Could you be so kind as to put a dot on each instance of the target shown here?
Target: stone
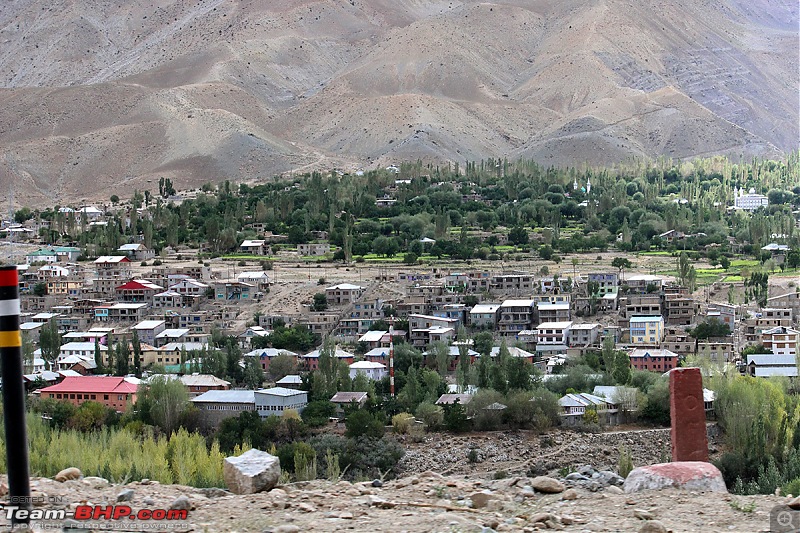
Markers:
(286, 528)
(96, 482)
(688, 475)
(482, 498)
(795, 504)
(377, 483)
(586, 470)
(547, 485)
(613, 489)
(527, 491)
(643, 514)
(607, 477)
(653, 526)
(576, 476)
(68, 474)
(688, 416)
(306, 507)
(149, 501)
(346, 515)
(253, 471)
(570, 494)
(125, 496)
(181, 503)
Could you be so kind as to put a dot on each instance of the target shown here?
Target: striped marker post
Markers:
(19, 487)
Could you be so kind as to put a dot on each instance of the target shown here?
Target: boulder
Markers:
(547, 485)
(181, 503)
(482, 499)
(125, 496)
(68, 474)
(795, 504)
(689, 475)
(253, 471)
(653, 526)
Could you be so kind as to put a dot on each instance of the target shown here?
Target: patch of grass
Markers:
(657, 252)
(732, 279)
(748, 507)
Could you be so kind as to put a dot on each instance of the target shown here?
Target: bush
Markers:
(430, 414)
(625, 464)
(401, 422)
(362, 423)
(318, 413)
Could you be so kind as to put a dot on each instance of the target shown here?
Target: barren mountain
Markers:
(106, 96)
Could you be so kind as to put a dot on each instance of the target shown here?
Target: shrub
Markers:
(363, 423)
(625, 464)
(305, 462)
(401, 422)
(430, 414)
(472, 455)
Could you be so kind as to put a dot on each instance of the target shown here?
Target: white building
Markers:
(274, 401)
(553, 333)
(750, 201)
(374, 371)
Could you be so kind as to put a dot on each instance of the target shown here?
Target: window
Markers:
(71, 396)
(105, 396)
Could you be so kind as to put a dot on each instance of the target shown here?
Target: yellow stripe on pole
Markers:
(10, 339)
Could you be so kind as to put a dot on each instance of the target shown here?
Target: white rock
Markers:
(253, 471)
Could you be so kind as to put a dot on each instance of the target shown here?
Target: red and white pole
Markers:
(391, 357)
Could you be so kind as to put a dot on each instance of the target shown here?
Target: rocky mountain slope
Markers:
(101, 95)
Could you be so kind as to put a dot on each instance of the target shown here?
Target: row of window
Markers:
(75, 396)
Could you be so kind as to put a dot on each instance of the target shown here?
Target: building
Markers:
(198, 384)
(113, 392)
(41, 256)
(608, 283)
(750, 201)
(769, 365)
(311, 359)
(575, 406)
(137, 251)
(274, 401)
(375, 339)
(67, 254)
(484, 316)
(255, 247)
(343, 294)
(313, 249)
(348, 399)
(644, 283)
(373, 371)
(425, 329)
(680, 309)
(648, 330)
(147, 330)
(584, 334)
(258, 278)
(111, 271)
(137, 291)
(781, 340)
(217, 405)
(515, 316)
(553, 334)
(512, 283)
(266, 355)
(292, 381)
(552, 312)
(189, 287)
(233, 290)
(656, 360)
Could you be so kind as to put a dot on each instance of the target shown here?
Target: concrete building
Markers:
(484, 316)
(607, 282)
(217, 405)
(515, 316)
(646, 330)
(113, 392)
(343, 294)
(148, 329)
(373, 371)
(553, 333)
(652, 359)
(274, 401)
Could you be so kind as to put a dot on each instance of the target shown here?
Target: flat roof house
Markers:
(274, 401)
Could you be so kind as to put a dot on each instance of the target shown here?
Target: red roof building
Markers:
(137, 291)
(113, 392)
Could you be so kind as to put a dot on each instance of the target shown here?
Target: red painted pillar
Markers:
(688, 416)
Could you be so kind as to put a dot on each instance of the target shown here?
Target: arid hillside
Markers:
(105, 96)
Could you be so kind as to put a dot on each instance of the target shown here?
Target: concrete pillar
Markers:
(687, 412)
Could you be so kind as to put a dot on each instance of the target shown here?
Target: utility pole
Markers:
(391, 356)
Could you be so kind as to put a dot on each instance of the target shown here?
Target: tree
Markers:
(50, 343)
(686, 272)
(326, 377)
(282, 365)
(137, 354)
(253, 374)
(621, 263)
(320, 302)
(455, 417)
(40, 289)
(793, 258)
(483, 343)
(122, 362)
(518, 235)
(165, 399)
(710, 328)
(440, 353)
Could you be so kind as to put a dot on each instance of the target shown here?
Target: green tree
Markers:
(282, 365)
(621, 263)
(320, 302)
(362, 423)
(50, 343)
(137, 354)
(40, 289)
(253, 373)
(519, 372)
(164, 399)
(455, 417)
(483, 343)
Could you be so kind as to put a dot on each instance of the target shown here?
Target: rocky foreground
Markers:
(585, 500)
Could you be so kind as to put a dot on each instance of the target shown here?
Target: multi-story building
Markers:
(484, 316)
(111, 271)
(343, 294)
(425, 329)
(137, 291)
(680, 309)
(781, 340)
(646, 330)
(584, 334)
(147, 330)
(607, 282)
(553, 334)
(515, 316)
(749, 201)
(513, 283)
(552, 312)
(656, 360)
